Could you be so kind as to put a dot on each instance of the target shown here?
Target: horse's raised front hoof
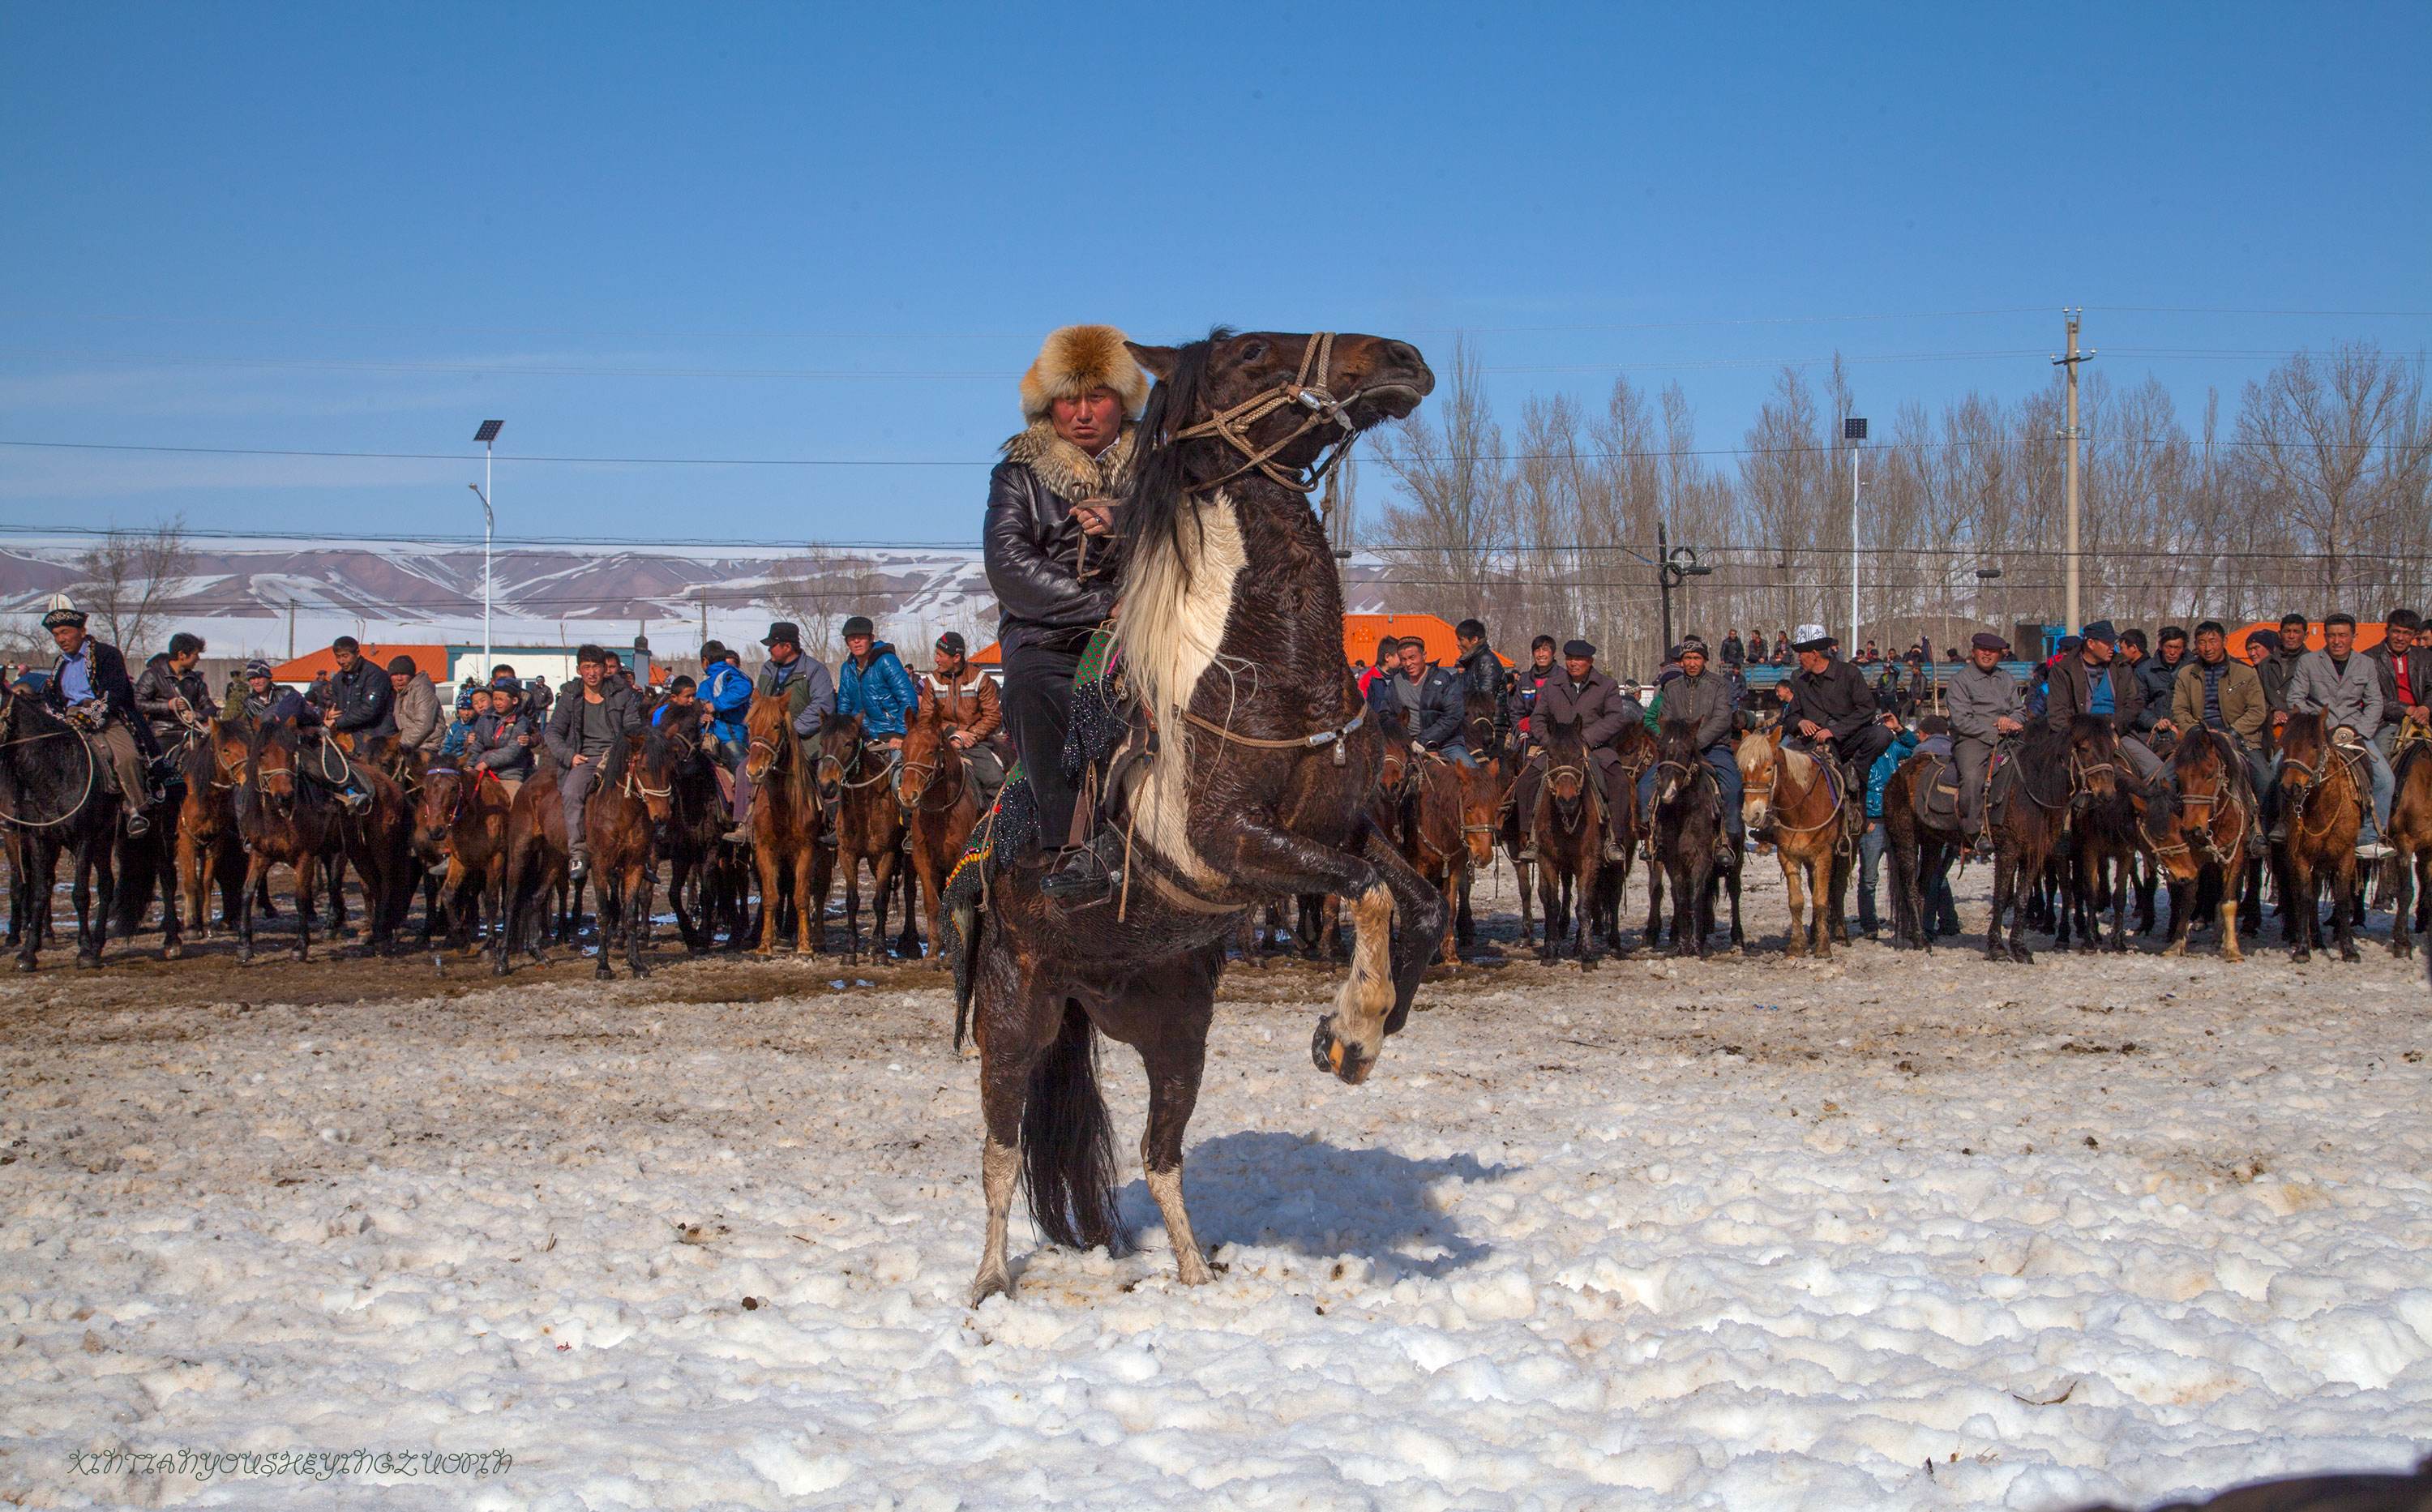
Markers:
(1342, 1057)
(991, 1282)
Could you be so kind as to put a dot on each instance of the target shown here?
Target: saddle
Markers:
(1934, 798)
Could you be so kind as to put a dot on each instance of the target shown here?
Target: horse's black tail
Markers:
(1068, 1144)
(959, 938)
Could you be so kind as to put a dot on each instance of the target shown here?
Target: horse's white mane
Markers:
(1173, 612)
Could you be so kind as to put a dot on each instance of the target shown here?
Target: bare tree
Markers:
(821, 589)
(2340, 444)
(130, 576)
(1452, 475)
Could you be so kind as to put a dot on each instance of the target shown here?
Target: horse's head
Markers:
(1757, 754)
(1478, 727)
(444, 788)
(2304, 753)
(1393, 771)
(769, 725)
(926, 752)
(1481, 799)
(839, 755)
(653, 760)
(271, 766)
(2171, 831)
(1567, 766)
(2093, 758)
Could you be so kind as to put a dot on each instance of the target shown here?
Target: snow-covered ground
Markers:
(1742, 1233)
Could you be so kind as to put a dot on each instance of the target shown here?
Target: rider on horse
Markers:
(1829, 703)
(1424, 702)
(1051, 563)
(89, 686)
(419, 726)
(810, 698)
(1983, 702)
(966, 701)
(1585, 701)
(871, 683)
(587, 736)
(170, 694)
(1702, 698)
(504, 737)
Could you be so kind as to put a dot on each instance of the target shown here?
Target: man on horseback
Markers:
(2345, 689)
(1831, 706)
(1983, 700)
(504, 737)
(170, 694)
(966, 703)
(2094, 682)
(2404, 665)
(1701, 698)
(1522, 700)
(1424, 702)
(1482, 672)
(587, 736)
(1050, 508)
(362, 704)
(810, 698)
(2216, 691)
(1583, 701)
(874, 685)
(90, 688)
(419, 728)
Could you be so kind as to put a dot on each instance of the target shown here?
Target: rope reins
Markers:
(1307, 388)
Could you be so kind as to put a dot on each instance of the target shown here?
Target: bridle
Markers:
(1307, 388)
(930, 785)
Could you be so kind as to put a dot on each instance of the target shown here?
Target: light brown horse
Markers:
(1481, 799)
(853, 788)
(620, 825)
(1568, 830)
(2198, 840)
(2410, 836)
(460, 828)
(2322, 800)
(940, 805)
(209, 850)
(537, 862)
(785, 823)
(1809, 811)
(1433, 813)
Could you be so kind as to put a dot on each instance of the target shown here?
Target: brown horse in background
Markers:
(620, 823)
(940, 805)
(1685, 828)
(2322, 799)
(707, 882)
(2410, 837)
(1481, 798)
(1433, 814)
(785, 823)
(1568, 836)
(853, 788)
(537, 861)
(1809, 811)
(290, 820)
(2049, 773)
(460, 829)
(209, 850)
(2198, 840)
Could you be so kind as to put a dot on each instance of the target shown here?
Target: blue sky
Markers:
(838, 233)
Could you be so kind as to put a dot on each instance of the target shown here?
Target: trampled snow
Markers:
(1889, 1232)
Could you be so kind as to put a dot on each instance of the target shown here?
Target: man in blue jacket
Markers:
(1943, 913)
(874, 684)
(728, 693)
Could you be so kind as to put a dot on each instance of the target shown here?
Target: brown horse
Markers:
(1810, 808)
(2322, 798)
(940, 804)
(537, 862)
(2051, 773)
(1481, 798)
(293, 820)
(459, 829)
(1231, 638)
(785, 823)
(1568, 836)
(868, 824)
(52, 791)
(1685, 827)
(2410, 836)
(1433, 813)
(209, 850)
(707, 882)
(2198, 840)
(621, 818)
(1920, 852)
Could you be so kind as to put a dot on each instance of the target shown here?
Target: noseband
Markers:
(1308, 390)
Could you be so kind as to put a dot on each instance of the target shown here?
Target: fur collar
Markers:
(1071, 471)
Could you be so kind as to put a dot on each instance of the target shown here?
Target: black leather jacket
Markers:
(158, 686)
(1032, 547)
(362, 702)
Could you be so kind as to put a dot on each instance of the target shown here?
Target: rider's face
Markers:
(857, 645)
(1090, 422)
(2292, 637)
(1579, 666)
(2400, 638)
(347, 659)
(947, 663)
(784, 652)
(1542, 657)
(2212, 646)
(1692, 663)
(260, 686)
(592, 672)
(1987, 658)
(2338, 640)
(68, 637)
(1412, 656)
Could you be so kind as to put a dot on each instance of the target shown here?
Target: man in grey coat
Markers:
(1702, 699)
(1984, 704)
(587, 736)
(2345, 688)
(1585, 701)
(419, 726)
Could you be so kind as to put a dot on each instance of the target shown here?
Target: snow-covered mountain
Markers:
(260, 596)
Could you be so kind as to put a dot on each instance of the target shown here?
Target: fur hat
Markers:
(1077, 359)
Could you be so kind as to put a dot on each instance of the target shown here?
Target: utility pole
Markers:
(703, 601)
(1853, 430)
(1672, 564)
(2070, 608)
(291, 629)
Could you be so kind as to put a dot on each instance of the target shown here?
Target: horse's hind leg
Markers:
(1175, 1053)
(1016, 1023)
(2347, 896)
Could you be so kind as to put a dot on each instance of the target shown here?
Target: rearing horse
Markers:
(1231, 640)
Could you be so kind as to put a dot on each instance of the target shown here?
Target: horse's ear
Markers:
(1159, 361)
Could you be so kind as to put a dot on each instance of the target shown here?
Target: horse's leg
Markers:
(1794, 886)
(1452, 891)
(1175, 1054)
(2347, 894)
(1581, 888)
(610, 901)
(1016, 1023)
(2402, 910)
(882, 890)
(637, 918)
(2297, 890)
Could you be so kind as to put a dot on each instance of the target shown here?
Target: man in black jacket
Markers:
(169, 691)
(89, 683)
(587, 736)
(1482, 673)
(1425, 702)
(1830, 700)
(2405, 663)
(2280, 665)
(362, 702)
(1522, 700)
(1048, 543)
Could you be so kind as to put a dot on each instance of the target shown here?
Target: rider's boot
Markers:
(739, 834)
(1085, 874)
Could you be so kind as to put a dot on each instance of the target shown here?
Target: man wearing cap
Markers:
(1830, 702)
(1047, 542)
(872, 684)
(1585, 701)
(1424, 702)
(587, 736)
(965, 700)
(471, 704)
(2404, 665)
(2158, 675)
(1983, 701)
(363, 703)
(1700, 698)
(504, 737)
(89, 681)
(810, 698)
(169, 691)
(2344, 687)
(2094, 682)
(416, 703)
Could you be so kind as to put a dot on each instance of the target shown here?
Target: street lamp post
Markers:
(1673, 565)
(1853, 430)
(486, 435)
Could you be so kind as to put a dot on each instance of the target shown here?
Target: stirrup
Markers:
(136, 826)
(577, 866)
(1082, 874)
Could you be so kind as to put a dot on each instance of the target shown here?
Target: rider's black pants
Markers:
(1038, 711)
